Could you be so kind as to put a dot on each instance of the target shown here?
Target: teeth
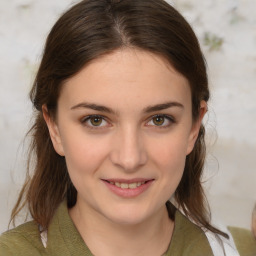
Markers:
(126, 185)
(133, 185)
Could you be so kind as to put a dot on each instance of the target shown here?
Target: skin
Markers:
(129, 144)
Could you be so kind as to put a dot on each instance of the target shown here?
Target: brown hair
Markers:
(87, 31)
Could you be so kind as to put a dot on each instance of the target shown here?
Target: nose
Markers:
(128, 151)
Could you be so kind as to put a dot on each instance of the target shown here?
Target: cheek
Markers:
(171, 151)
(83, 154)
(169, 157)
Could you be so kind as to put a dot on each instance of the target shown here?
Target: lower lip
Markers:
(128, 192)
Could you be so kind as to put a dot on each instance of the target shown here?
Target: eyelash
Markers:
(169, 119)
(86, 119)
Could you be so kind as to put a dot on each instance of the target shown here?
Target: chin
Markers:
(126, 215)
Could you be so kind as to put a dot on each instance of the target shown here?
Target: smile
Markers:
(128, 188)
(127, 185)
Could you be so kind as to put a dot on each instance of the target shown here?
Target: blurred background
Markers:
(227, 32)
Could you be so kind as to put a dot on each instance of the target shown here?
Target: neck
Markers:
(104, 237)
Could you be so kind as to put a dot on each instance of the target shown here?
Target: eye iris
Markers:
(158, 120)
(96, 121)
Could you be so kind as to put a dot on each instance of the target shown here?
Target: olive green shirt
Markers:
(64, 239)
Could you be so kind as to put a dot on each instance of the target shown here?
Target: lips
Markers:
(128, 188)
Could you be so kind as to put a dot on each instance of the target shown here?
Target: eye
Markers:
(161, 121)
(94, 121)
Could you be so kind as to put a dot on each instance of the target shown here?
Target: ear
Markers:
(196, 127)
(54, 131)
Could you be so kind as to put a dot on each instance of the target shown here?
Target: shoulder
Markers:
(23, 240)
(244, 241)
(188, 238)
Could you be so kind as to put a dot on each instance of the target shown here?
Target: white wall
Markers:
(230, 50)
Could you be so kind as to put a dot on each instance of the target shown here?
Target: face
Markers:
(124, 124)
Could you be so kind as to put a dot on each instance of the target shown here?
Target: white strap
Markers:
(43, 235)
(228, 245)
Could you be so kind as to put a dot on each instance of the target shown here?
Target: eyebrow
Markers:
(148, 109)
(162, 106)
(94, 107)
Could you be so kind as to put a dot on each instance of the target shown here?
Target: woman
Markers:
(119, 97)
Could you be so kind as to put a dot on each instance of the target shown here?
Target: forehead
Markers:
(127, 77)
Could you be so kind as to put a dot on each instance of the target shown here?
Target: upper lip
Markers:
(128, 181)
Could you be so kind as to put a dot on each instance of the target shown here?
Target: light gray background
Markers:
(227, 33)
